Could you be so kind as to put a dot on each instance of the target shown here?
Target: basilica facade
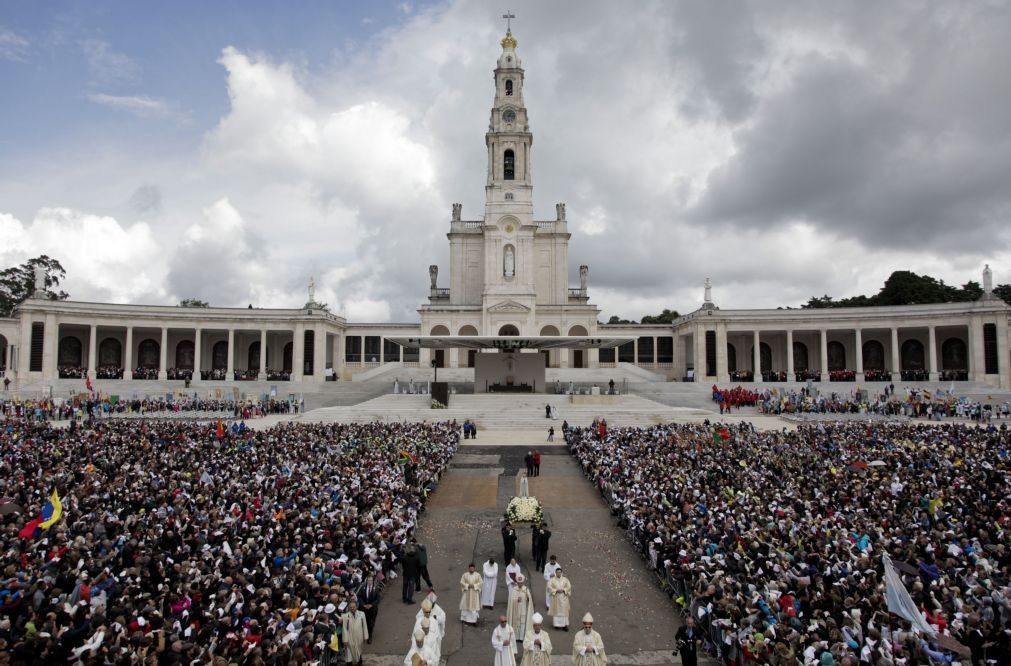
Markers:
(508, 277)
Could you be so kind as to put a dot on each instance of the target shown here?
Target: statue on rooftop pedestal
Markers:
(40, 281)
(312, 289)
(433, 275)
(584, 271)
(987, 281)
(708, 284)
(457, 211)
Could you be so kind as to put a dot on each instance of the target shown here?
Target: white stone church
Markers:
(508, 320)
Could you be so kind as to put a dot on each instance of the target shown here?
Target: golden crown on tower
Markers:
(509, 42)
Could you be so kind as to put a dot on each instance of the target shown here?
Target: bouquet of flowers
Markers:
(524, 510)
(437, 405)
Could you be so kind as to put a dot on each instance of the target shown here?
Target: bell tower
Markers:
(508, 138)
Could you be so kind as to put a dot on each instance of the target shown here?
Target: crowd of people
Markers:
(176, 543)
(773, 541)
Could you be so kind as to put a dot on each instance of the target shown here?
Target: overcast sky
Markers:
(227, 151)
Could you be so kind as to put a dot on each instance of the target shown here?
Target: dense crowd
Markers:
(180, 545)
(777, 537)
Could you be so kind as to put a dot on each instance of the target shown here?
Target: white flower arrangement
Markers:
(524, 510)
(437, 405)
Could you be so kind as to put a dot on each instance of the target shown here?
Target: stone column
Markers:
(858, 339)
(635, 352)
(263, 354)
(198, 344)
(790, 376)
(230, 366)
(896, 369)
(128, 354)
(319, 354)
(699, 349)
(337, 359)
(722, 371)
(1002, 353)
(163, 355)
(92, 346)
(50, 344)
(932, 350)
(824, 355)
(757, 353)
(298, 353)
(977, 363)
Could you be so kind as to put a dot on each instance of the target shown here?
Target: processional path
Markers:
(462, 525)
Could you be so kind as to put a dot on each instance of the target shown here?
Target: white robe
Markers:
(561, 596)
(588, 650)
(427, 658)
(433, 626)
(490, 578)
(520, 611)
(534, 655)
(512, 570)
(438, 616)
(470, 596)
(503, 639)
(549, 573)
(355, 632)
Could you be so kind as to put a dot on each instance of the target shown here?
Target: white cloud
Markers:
(13, 46)
(108, 66)
(104, 260)
(139, 105)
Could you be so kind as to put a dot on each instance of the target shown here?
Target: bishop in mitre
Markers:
(470, 599)
(427, 613)
(521, 608)
(588, 646)
(503, 640)
(433, 640)
(537, 644)
(420, 654)
(434, 612)
(560, 590)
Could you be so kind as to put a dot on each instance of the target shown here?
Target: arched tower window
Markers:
(509, 87)
(509, 165)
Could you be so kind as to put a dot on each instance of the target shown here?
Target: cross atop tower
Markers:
(509, 16)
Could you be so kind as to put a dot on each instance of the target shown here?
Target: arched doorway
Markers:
(800, 360)
(3, 353)
(471, 353)
(219, 356)
(70, 352)
(149, 354)
(439, 355)
(954, 355)
(765, 357)
(912, 355)
(184, 355)
(578, 355)
(550, 356)
(731, 358)
(836, 356)
(286, 355)
(110, 353)
(509, 330)
(874, 355)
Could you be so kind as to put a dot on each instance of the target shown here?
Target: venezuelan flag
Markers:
(51, 511)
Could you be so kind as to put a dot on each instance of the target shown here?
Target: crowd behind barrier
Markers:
(98, 406)
(773, 541)
(179, 544)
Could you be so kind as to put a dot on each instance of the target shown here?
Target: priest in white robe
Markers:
(426, 613)
(549, 572)
(438, 614)
(537, 644)
(355, 632)
(512, 570)
(503, 640)
(420, 654)
(560, 589)
(433, 640)
(489, 578)
(470, 599)
(588, 646)
(521, 608)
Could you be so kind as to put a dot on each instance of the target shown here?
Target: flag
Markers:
(28, 531)
(899, 601)
(51, 511)
(221, 429)
(721, 435)
(404, 456)
(87, 383)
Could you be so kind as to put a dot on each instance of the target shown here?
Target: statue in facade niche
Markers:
(433, 273)
(509, 262)
(584, 271)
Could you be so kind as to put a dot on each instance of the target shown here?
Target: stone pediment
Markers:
(508, 306)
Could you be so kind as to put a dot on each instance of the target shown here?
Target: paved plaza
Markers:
(462, 525)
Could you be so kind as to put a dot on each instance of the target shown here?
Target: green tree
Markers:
(666, 317)
(1003, 292)
(615, 319)
(17, 283)
(193, 303)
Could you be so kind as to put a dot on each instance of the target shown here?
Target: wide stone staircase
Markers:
(506, 411)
